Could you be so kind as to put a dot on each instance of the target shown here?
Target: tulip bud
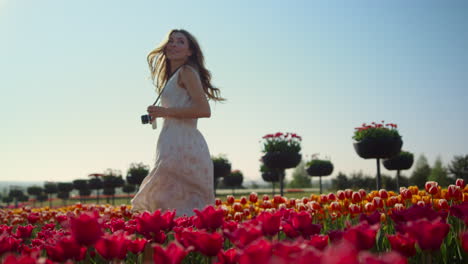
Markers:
(354, 209)
(237, 207)
(230, 199)
(218, 202)
(243, 200)
(433, 190)
(277, 199)
(377, 202)
(335, 206)
(383, 194)
(430, 184)
(323, 198)
(363, 193)
(461, 183)
(369, 207)
(348, 193)
(305, 200)
(253, 197)
(421, 203)
(332, 197)
(266, 197)
(356, 197)
(454, 192)
(443, 204)
(341, 195)
(406, 194)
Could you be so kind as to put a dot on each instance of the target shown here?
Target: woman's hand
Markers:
(156, 111)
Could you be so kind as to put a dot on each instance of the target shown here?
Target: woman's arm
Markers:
(200, 106)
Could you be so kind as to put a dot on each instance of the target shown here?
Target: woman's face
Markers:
(177, 47)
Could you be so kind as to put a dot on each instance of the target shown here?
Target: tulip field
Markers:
(413, 226)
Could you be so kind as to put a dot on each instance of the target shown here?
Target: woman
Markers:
(182, 177)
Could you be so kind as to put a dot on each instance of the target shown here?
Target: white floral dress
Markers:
(182, 177)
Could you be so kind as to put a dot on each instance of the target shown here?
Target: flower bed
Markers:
(427, 226)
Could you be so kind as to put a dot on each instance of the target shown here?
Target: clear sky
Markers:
(74, 79)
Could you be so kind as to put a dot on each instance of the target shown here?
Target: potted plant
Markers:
(271, 175)
(318, 167)
(281, 151)
(402, 161)
(377, 141)
(221, 168)
(234, 180)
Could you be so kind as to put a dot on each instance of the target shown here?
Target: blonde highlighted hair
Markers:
(160, 70)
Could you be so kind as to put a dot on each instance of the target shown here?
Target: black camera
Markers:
(145, 119)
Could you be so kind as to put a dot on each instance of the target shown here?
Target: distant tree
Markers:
(84, 193)
(137, 173)
(35, 191)
(81, 185)
(300, 178)
(42, 198)
(341, 182)
(389, 183)
(458, 167)
(421, 172)
(7, 200)
(439, 173)
(359, 180)
(234, 180)
(128, 189)
(15, 194)
(64, 189)
(96, 184)
(50, 188)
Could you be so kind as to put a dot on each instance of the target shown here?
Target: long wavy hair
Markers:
(160, 67)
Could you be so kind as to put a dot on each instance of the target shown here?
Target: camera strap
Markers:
(157, 99)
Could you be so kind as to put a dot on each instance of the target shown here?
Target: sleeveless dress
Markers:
(182, 177)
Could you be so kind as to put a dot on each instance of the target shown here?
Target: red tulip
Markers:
(406, 194)
(253, 197)
(403, 244)
(464, 240)
(209, 244)
(428, 234)
(302, 222)
(256, 253)
(383, 194)
(24, 231)
(172, 254)
(66, 248)
(112, 246)
(429, 185)
(290, 231)
(363, 193)
(356, 197)
(33, 218)
(341, 195)
(86, 229)
(318, 241)
(270, 223)
(23, 259)
(385, 258)
(461, 183)
(340, 253)
(229, 256)
(209, 218)
(362, 235)
(371, 219)
(454, 192)
(377, 202)
(288, 252)
(332, 197)
(243, 236)
(137, 246)
(151, 225)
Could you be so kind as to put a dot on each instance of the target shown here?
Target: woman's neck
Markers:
(174, 65)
